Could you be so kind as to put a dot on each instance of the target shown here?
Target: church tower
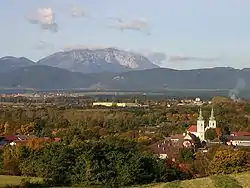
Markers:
(201, 127)
(212, 121)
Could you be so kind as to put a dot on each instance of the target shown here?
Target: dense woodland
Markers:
(109, 147)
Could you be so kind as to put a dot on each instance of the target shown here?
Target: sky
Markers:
(181, 34)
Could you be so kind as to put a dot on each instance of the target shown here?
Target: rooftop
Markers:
(192, 128)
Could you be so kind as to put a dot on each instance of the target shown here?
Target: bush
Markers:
(27, 183)
(210, 134)
(186, 155)
(227, 161)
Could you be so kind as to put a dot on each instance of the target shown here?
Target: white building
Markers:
(199, 129)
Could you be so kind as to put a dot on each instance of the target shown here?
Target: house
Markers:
(163, 149)
(4, 140)
(238, 140)
(110, 104)
(107, 104)
(169, 148)
(240, 133)
(199, 129)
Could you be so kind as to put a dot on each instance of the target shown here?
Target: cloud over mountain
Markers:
(189, 58)
(140, 25)
(45, 18)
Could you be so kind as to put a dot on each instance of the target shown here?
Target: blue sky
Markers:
(192, 33)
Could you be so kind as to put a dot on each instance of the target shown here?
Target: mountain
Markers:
(163, 78)
(10, 63)
(97, 60)
(45, 77)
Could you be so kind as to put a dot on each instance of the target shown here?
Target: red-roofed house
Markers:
(240, 133)
(192, 129)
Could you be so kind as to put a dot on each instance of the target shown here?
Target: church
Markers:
(199, 129)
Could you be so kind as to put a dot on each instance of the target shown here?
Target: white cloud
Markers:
(140, 25)
(45, 18)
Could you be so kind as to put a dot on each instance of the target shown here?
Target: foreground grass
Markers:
(15, 180)
(241, 180)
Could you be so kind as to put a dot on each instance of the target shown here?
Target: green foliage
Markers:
(223, 181)
(29, 183)
(210, 134)
(53, 162)
(12, 156)
(107, 162)
(39, 127)
(186, 155)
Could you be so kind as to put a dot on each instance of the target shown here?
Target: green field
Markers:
(231, 181)
(222, 181)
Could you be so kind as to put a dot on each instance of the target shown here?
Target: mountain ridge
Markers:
(46, 77)
(97, 60)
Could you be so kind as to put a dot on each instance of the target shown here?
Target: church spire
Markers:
(200, 116)
(212, 114)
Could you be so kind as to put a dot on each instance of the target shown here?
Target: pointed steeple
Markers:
(200, 115)
(212, 115)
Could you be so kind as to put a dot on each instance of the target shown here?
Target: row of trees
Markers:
(220, 159)
(111, 162)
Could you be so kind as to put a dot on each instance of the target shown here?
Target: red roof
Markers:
(57, 139)
(192, 128)
(10, 138)
(241, 133)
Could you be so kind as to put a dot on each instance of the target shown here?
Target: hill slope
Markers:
(235, 181)
(98, 60)
(9, 63)
(45, 77)
(216, 78)
(41, 77)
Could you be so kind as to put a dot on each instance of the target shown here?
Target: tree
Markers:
(7, 128)
(39, 127)
(226, 131)
(186, 155)
(12, 156)
(210, 134)
(228, 160)
(54, 163)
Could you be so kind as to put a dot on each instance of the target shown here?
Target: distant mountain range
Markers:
(112, 69)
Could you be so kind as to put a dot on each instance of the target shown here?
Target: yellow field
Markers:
(13, 180)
